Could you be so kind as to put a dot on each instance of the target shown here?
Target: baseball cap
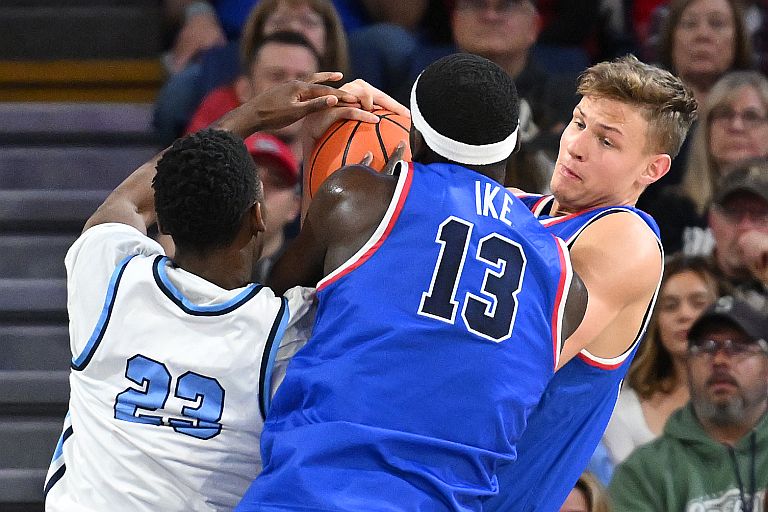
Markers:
(748, 177)
(731, 311)
(267, 150)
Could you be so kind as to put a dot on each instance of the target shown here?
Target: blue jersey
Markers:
(567, 425)
(430, 348)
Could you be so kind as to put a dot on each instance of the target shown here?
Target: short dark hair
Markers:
(205, 183)
(469, 99)
(281, 37)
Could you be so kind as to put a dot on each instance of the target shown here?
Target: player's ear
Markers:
(418, 146)
(257, 219)
(243, 89)
(657, 167)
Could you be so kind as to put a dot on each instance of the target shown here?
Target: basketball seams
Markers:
(349, 143)
(382, 146)
(317, 154)
(406, 130)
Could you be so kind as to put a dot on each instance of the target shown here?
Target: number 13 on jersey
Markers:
(491, 314)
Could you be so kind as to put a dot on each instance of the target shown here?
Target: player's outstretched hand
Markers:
(370, 97)
(285, 104)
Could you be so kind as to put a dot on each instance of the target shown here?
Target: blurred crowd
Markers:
(689, 429)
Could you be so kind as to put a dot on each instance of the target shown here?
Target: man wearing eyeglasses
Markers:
(713, 454)
(738, 220)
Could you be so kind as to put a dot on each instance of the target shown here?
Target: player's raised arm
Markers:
(132, 202)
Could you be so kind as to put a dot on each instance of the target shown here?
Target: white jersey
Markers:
(170, 380)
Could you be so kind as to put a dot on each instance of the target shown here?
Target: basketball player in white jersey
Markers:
(172, 359)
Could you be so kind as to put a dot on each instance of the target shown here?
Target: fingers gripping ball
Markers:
(346, 142)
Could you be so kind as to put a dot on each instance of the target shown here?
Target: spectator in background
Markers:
(733, 127)
(278, 58)
(505, 31)
(738, 221)
(700, 41)
(587, 496)
(656, 384)
(317, 20)
(713, 454)
(279, 173)
(704, 39)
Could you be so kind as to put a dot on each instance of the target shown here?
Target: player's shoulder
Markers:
(356, 179)
(353, 197)
(111, 240)
(620, 244)
(622, 230)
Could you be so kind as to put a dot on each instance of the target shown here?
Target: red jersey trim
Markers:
(538, 206)
(382, 231)
(605, 364)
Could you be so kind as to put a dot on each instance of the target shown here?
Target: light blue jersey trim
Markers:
(215, 308)
(266, 391)
(60, 445)
(79, 362)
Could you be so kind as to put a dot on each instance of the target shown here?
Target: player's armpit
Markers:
(620, 262)
(575, 306)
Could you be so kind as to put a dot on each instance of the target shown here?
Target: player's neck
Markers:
(225, 268)
(559, 209)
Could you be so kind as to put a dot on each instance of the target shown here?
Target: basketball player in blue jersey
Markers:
(441, 314)
(629, 124)
(172, 358)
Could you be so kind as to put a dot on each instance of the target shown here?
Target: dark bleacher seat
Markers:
(79, 29)
(34, 255)
(22, 489)
(34, 393)
(26, 448)
(48, 211)
(118, 124)
(34, 347)
(40, 300)
(28, 443)
(73, 168)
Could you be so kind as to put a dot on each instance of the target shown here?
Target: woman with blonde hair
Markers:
(733, 126)
(656, 384)
(588, 495)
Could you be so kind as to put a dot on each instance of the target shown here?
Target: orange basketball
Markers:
(347, 142)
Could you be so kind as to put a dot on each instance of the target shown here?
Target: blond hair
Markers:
(666, 102)
(702, 172)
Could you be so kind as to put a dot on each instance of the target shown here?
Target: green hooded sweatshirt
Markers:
(686, 470)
